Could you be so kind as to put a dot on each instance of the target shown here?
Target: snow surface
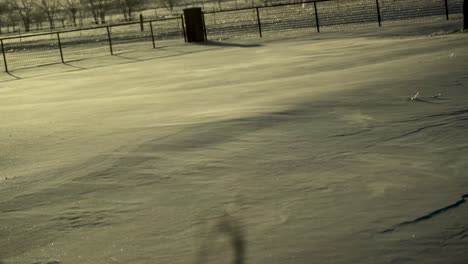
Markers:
(306, 149)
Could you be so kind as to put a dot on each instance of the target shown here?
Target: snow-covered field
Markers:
(302, 150)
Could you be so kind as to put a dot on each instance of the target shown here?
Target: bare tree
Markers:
(129, 6)
(219, 3)
(25, 9)
(72, 8)
(99, 9)
(170, 4)
(63, 17)
(92, 7)
(83, 12)
(10, 15)
(49, 8)
(3, 11)
(38, 18)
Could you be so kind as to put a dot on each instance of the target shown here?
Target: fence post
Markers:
(110, 40)
(183, 27)
(152, 34)
(259, 23)
(204, 25)
(4, 56)
(60, 47)
(142, 27)
(446, 10)
(316, 17)
(378, 12)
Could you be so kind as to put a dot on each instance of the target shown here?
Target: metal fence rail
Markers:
(301, 18)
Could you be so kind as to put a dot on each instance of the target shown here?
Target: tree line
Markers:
(76, 12)
(73, 12)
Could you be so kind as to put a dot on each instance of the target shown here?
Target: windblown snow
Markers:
(300, 150)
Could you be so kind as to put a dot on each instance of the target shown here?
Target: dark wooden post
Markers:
(142, 26)
(4, 55)
(194, 25)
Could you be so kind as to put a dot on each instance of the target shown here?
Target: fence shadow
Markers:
(225, 44)
(128, 57)
(16, 78)
(88, 63)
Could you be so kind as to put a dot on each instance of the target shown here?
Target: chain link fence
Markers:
(67, 46)
(266, 21)
(326, 15)
(86, 43)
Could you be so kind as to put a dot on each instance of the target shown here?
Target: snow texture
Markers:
(300, 150)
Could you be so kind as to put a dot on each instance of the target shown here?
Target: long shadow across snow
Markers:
(429, 215)
(113, 175)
